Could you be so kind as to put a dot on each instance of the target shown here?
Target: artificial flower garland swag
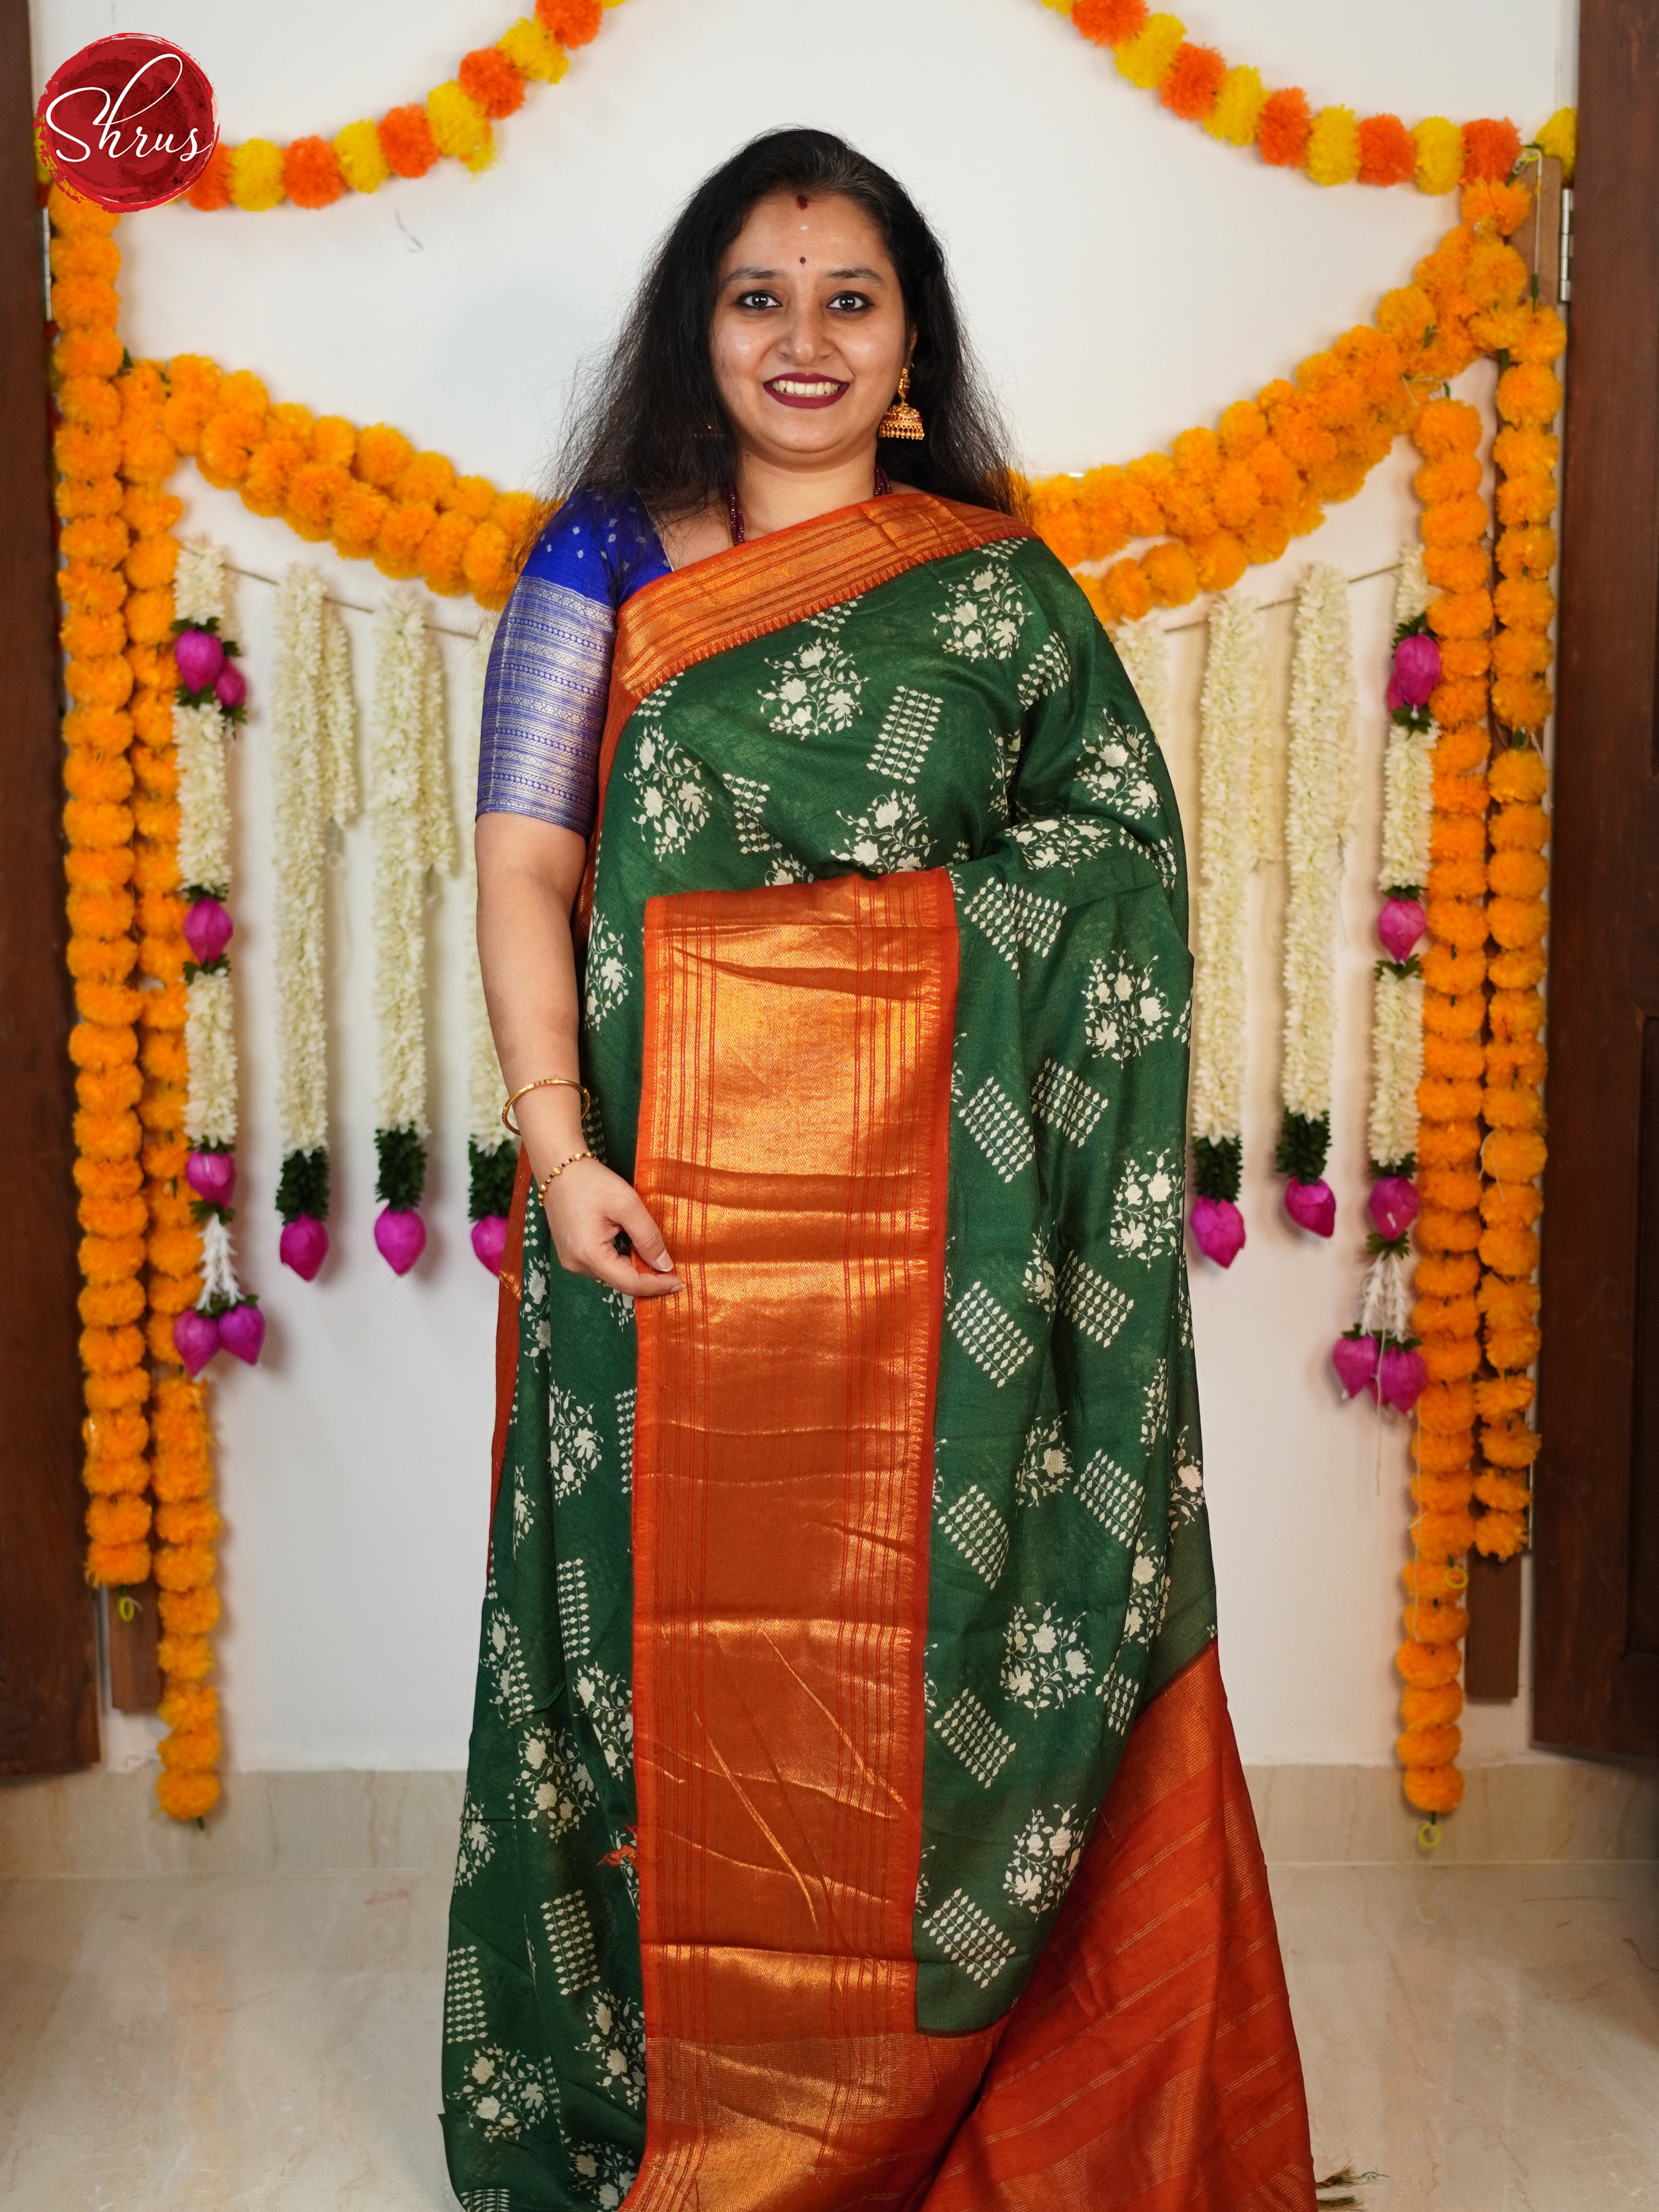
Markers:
(408, 806)
(1232, 739)
(1332, 146)
(209, 705)
(455, 121)
(1319, 819)
(492, 1155)
(314, 779)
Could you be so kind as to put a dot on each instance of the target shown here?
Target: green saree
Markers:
(803, 1862)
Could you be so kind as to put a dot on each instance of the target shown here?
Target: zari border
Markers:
(794, 1129)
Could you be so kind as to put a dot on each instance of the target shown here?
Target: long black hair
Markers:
(650, 419)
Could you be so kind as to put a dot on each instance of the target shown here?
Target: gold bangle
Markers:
(542, 1083)
(553, 1174)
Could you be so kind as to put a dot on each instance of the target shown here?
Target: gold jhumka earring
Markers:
(902, 419)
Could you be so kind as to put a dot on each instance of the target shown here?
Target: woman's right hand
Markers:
(588, 1209)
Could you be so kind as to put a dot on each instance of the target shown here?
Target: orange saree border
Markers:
(1150, 2064)
(750, 590)
(795, 1128)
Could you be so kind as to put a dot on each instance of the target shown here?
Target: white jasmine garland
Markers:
(201, 736)
(486, 1093)
(210, 1047)
(1408, 807)
(220, 1287)
(1145, 652)
(314, 775)
(1233, 713)
(408, 804)
(1318, 814)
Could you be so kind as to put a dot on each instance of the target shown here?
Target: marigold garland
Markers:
(1448, 436)
(1333, 146)
(98, 821)
(1531, 338)
(454, 123)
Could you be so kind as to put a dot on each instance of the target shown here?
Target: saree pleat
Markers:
(853, 1816)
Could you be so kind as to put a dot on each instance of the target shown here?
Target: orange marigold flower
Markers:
(1503, 1493)
(1172, 573)
(1194, 80)
(1283, 127)
(1462, 1059)
(492, 79)
(1496, 276)
(1529, 394)
(359, 511)
(397, 548)
(311, 173)
(1519, 774)
(1447, 426)
(1501, 1535)
(571, 22)
(1427, 1666)
(211, 190)
(383, 454)
(1447, 1275)
(425, 479)
(1517, 874)
(1387, 155)
(1452, 476)
(406, 140)
(1126, 593)
(1543, 340)
(1491, 147)
(1429, 1621)
(1109, 22)
(1433, 1788)
(1422, 1708)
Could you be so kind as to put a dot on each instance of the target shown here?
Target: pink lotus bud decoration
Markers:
(212, 1176)
(1400, 925)
(243, 1331)
(208, 930)
(399, 1238)
(304, 1246)
(1403, 1378)
(1355, 1360)
(489, 1240)
(1311, 1205)
(195, 1339)
(200, 656)
(230, 687)
(1217, 1229)
(1393, 1206)
(1415, 673)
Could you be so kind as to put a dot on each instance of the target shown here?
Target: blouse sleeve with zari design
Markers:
(550, 665)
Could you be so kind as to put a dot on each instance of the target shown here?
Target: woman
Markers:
(848, 1522)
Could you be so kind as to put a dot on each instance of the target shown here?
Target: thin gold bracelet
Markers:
(542, 1083)
(553, 1174)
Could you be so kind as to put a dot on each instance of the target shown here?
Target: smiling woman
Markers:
(852, 1812)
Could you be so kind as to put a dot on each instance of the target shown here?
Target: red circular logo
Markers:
(128, 122)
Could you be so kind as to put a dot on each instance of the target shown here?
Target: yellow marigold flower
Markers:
(1333, 156)
(256, 174)
(459, 126)
(1439, 154)
(537, 54)
(1145, 58)
(362, 163)
(1559, 136)
(1238, 105)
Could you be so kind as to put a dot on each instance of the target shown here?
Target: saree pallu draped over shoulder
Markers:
(854, 1817)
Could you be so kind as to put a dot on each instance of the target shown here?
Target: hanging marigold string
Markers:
(98, 822)
(1529, 339)
(454, 122)
(181, 1464)
(1330, 145)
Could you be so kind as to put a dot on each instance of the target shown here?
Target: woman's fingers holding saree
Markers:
(599, 1224)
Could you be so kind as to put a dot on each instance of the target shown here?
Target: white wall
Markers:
(1125, 276)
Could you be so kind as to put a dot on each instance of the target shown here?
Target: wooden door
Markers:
(1596, 1634)
(48, 1671)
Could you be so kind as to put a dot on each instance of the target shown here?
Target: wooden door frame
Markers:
(48, 1657)
(1595, 1663)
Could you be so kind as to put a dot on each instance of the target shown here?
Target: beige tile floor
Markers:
(1486, 2038)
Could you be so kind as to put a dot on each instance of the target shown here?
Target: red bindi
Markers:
(800, 199)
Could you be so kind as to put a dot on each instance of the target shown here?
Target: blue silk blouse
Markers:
(550, 665)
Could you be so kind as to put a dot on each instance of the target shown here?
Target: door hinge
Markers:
(1563, 279)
